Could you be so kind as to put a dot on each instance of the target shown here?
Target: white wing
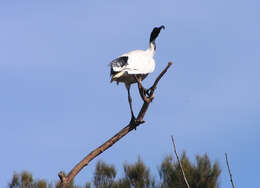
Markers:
(139, 62)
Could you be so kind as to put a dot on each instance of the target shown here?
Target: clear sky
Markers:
(57, 105)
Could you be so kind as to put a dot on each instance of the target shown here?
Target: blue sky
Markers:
(57, 105)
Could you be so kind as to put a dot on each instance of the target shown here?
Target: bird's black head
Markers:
(155, 33)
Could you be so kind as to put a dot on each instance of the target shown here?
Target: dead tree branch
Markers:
(66, 179)
(175, 151)
(229, 171)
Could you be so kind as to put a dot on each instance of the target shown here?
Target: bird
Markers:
(130, 66)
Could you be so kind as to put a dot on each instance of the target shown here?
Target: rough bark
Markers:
(66, 179)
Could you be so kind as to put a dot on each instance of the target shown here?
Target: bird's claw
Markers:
(148, 92)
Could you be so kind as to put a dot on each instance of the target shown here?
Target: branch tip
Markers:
(175, 151)
(229, 171)
(62, 176)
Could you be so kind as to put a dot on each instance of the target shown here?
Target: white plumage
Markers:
(140, 61)
(135, 64)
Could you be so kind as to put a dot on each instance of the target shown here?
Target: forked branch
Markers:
(66, 179)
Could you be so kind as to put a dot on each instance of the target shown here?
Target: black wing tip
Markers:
(112, 72)
(118, 62)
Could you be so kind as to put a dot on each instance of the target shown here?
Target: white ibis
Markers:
(137, 63)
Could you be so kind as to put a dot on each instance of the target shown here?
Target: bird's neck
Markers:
(152, 47)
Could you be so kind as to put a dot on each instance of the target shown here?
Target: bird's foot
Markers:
(134, 122)
(149, 93)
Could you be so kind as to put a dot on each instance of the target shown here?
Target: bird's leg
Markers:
(133, 119)
(134, 122)
(140, 85)
(130, 101)
(142, 90)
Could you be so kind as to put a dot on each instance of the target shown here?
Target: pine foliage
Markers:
(201, 174)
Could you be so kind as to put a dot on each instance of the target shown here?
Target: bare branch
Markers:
(175, 151)
(66, 179)
(229, 171)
